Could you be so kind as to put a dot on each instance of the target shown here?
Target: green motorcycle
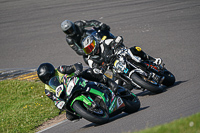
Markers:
(93, 101)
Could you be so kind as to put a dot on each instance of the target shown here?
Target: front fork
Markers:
(126, 79)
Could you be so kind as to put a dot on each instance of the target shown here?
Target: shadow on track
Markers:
(146, 92)
(119, 116)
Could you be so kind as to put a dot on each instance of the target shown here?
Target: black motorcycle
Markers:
(140, 74)
(129, 69)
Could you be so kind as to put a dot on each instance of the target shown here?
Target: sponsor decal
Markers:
(62, 69)
(113, 96)
(54, 98)
(119, 102)
(56, 102)
(48, 94)
(60, 104)
(70, 85)
(82, 83)
(112, 105)
(59, 90)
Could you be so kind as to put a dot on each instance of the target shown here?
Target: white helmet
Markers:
(90, 45)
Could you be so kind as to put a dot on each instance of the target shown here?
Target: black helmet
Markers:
(45, 72)
(68, 27)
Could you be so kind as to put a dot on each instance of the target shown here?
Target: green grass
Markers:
(24, 106)
(189, 124)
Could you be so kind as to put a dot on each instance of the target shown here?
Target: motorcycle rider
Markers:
(46, 71)
(77, 31)
(101, 53)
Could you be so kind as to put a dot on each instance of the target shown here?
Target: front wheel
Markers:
(132, 104)
(169, 79)
(98, 116)
(142, 81)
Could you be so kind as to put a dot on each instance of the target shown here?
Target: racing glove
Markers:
(118, 39)
(78, 69)
(104, 27)
(116, 42)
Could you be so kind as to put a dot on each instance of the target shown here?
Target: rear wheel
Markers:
(97, 115)
(144, 83)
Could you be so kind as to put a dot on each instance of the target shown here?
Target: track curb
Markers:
(19, 74)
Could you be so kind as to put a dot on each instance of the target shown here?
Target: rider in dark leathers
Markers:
(103, 52)
(46, 71)
(77, 31)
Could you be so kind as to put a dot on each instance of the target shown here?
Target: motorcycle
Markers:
(131, 70)
(140, 74)
(93, 101)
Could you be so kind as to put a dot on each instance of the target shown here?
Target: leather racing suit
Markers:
(106, 50)
(81, 32)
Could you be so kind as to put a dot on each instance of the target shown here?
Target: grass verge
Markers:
(189, 124)
(24, 106)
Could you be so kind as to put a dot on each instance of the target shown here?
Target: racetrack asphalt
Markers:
(30, 34)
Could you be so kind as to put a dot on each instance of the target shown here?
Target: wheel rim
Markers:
(150, 81)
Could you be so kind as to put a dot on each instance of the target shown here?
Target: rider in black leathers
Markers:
(77, 31)
(104, 51)
(46, 71)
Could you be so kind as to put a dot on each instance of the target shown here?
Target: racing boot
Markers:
(110, 83)
(70, 116)
(118, 90)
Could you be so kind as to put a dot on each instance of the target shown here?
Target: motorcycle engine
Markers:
(120, 65)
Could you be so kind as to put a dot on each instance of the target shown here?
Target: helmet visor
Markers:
(70, 31)
(90, 47)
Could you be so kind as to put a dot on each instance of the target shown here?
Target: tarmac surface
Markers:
(30, 34)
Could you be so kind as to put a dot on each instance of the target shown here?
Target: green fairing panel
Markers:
(133, 94)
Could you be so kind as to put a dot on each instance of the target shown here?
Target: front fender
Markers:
(83, 99)
(96, 92)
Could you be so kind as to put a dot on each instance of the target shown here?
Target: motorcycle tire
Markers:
(145, 84)
(169, 79)
(132, 104)
(90, 116)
